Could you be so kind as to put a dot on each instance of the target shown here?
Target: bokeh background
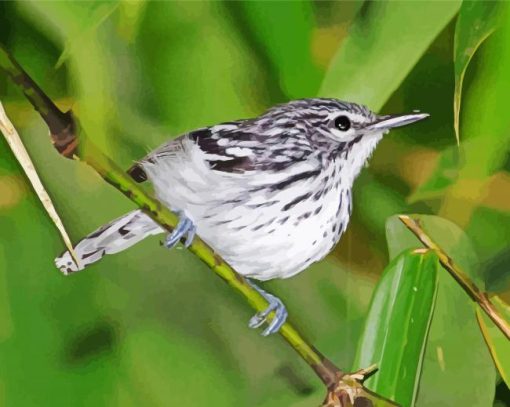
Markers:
(157, 328)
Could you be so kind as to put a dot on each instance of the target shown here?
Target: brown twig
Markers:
(61, 124)
(349, 391)
(459, 275)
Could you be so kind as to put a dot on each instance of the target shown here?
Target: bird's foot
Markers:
(276, 305)
(185, 227)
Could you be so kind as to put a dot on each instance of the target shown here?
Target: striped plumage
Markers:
(270, 194)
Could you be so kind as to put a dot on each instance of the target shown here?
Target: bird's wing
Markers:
(235, 147)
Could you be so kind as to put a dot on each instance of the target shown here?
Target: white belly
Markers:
(255, 229)
(270, 243)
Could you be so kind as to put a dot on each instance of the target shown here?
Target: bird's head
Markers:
(342, 129)
(338, 122)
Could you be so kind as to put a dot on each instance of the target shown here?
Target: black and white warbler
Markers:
(271, 195)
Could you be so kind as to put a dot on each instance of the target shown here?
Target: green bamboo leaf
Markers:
(83, 23)
(485, 125)
(499, 345)
(448, 235)
(397, 325)
(214, 83)
(455, 351)
(486, 120)
(81, 28)
(476, 22)
(381, 50)
(288, 46)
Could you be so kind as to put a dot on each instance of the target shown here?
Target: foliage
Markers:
(453, 330)
(149, 327)
(499, 345)
(397, 325)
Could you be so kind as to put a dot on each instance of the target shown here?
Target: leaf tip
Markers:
(405, 219)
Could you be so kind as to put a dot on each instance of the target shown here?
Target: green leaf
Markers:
(385, 42)
(193, 85)
(497, 342)
(288, 46)
(476, 22)
(82, 28)
(455, 351)
(485, 120)
(397, 325)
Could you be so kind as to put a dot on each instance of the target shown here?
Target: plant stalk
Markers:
(459, 275)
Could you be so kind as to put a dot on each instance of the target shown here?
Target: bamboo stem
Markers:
(459, 275)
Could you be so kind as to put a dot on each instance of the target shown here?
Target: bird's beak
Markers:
(388, 122)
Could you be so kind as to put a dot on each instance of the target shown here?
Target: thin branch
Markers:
(459, 275)
(59, 123)
(64, 131)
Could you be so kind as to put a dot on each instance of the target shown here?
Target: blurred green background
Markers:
(157, 328)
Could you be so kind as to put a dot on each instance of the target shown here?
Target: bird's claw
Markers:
(257, 320)
(276, 305)
(185, 227)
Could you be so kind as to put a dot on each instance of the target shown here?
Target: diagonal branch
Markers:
(60, 124)
(459, 275)
(64, 131)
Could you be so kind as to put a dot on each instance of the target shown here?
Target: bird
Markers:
(271, 194)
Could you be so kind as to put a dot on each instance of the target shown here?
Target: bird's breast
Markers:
(264, 225)
(276, 233)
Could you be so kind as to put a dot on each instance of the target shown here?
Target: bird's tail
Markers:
(113, 237)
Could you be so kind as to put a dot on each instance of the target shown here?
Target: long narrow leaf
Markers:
(379, 52)
(485, 122)
(477, 20)
(455, 347)
(397, 325)
(498, 344)
(283, 32)
(21, 154)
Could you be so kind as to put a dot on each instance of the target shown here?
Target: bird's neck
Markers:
(352, 161)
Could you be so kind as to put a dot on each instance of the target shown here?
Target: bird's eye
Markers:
(342, 123)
